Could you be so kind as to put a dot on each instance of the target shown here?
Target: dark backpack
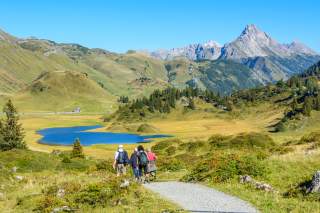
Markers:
(122, 158)
(143, 159)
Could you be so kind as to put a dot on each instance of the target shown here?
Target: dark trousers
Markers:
(143, 169)
(136, 172)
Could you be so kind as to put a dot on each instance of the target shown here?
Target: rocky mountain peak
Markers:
(252, 33)
(211, 43)
(297, 46)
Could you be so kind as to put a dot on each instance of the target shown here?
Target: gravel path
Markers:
(198, 198)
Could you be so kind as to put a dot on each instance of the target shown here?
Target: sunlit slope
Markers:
(64, 91)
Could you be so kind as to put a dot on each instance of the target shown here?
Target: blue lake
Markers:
(67, 135)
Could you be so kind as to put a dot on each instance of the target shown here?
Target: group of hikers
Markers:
(143, 163)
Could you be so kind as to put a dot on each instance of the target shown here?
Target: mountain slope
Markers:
(222, 76)
(63, 91)
(209, 50)
(269, 60)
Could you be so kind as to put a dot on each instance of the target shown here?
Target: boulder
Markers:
(315, 183)
(14, 169)
(19, 178)
(263, 186)
(258, 185)
(56, 152)
(62, 209)
(125, 184)
(245, 179)
(61, 193)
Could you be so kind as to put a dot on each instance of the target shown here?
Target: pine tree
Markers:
(191, 104)
(307, 106)
(294, 105)
(312, 85)
(11, 131)
(77, 150)
(317, 103)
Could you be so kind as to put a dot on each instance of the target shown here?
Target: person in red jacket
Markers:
(152, 169)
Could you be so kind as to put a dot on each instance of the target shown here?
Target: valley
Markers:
(243, 118)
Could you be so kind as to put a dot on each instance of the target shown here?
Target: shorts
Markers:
(121, 169)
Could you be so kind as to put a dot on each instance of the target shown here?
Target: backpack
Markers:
(122, 158)
(143, 160)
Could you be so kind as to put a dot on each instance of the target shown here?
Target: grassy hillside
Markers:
(64, 91)
(132, 74)
(47, 181)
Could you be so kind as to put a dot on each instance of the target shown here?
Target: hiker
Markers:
(120, 161)
(135, 164)
(152, 169)
(143, 163)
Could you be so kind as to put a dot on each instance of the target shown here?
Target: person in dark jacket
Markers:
(135, 164)
(143, 164)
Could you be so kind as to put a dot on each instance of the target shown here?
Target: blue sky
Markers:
(151, 24)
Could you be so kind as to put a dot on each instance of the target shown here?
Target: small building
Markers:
(76, 110)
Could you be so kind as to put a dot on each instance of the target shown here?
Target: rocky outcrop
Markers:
(315, 183)
(209, 50)
(246, 179)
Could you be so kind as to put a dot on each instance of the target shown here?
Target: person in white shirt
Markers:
(121, 160)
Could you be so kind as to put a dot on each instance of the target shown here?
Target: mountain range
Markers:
(252, 59)
(269, 60)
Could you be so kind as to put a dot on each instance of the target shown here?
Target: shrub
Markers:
(104, 165)
(77, 150)
(244, 140)
(48, 203)
(224, 166)
(171, 150)
(66, 159)
(313, 137)
(193, 146)
(101, 194)
(281, 150)
(170, 164)
(162, 145)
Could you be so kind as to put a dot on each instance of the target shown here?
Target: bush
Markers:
(48, 203)
(105, 165)
(171, 150)
(192, 146)
(244, 140)
(170, 164)
(101, 194)
(66, 159)
(313, 137)
(162, 145)
(224, 166)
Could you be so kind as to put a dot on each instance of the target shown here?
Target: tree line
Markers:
(165, 100)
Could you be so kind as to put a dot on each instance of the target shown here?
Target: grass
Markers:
(84, 186)
(243, 137)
